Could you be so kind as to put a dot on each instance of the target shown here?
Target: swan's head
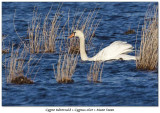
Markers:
(77, 33)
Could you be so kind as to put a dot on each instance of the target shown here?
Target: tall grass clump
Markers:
(95, 73)
(87, 24)
(18, 66)
(148, 52)
(42, 34)
(65, 68)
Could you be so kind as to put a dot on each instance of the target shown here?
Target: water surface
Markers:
(122, 84)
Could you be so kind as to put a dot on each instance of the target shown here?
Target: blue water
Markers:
(122, 84)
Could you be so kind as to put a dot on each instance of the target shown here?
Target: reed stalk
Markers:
(5, 49)
(17, 64)
(147, 54)
(95, 73)
(87, 24)
(65, 68)
(42, 35)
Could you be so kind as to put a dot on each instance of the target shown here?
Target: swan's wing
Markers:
(121, 47)
(114, 50)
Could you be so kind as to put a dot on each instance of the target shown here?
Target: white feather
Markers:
(116, 50)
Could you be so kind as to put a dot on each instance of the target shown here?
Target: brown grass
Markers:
(87, 24)
(5, 50)
(148, 52)
(65, 68)
(43, 34)
(16, 64)
(95, 73)
(42, 37)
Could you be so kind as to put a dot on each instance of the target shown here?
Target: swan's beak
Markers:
(72, 35)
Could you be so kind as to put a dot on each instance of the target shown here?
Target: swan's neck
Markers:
(82, 48)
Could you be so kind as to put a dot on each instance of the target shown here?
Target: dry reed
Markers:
(148, 52)
(87, 24)
(16, 65)
(5, 50)
(65, 68)
(95, 73)
(42, 35)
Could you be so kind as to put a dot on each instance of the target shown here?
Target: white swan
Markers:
(116, 50)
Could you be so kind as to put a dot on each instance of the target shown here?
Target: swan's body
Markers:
(116, 50)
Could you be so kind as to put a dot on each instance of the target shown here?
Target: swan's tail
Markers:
(123, 49)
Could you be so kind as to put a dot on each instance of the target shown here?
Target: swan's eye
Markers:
(74, 33)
